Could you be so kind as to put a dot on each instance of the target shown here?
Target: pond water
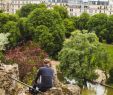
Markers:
(96, 89)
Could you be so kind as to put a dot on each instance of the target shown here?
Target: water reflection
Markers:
(96, 90)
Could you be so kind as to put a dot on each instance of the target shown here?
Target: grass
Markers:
(109, 48)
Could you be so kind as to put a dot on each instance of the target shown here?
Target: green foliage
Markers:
(27, 9)
(13, 17)
(109, 33)
(110, 80)
(82, 21)
(26, 29)
(44, 38)
(75, 21)
(107, 66)
(1, 11)
(45, 17)
(98, 23)
(69, 25)
(52, 20)
(62, 11)
(79, 56)
(3, 19)
(11, 27)
(3, 42)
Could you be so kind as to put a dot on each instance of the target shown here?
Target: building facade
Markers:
(11, 6)
(91, 6)
(74, 7)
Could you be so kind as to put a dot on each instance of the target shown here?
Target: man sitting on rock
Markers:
(45, 76)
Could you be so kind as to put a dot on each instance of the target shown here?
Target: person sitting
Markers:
(45, 76)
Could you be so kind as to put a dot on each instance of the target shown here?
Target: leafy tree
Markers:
(98, 23)
(28, 8)
(109, 33)
(80, 56)
(45, 17)
(11, 27)
(62, 11)
(52, 20)
(44, 38)
(13, 17)
(75, 21)
(26, 28)
(83, 20)
(69, 25)
(3, 20)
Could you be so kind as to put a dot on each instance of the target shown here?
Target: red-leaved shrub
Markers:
(26, 56)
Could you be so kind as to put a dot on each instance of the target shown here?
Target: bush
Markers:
(27, 56)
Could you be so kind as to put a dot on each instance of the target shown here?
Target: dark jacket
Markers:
(46, 74)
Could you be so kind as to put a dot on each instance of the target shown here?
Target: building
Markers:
(74, 7)
(91, 6)
(10, 6)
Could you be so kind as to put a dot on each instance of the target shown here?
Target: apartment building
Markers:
(10, 6)
(92, 7)
(74, 7)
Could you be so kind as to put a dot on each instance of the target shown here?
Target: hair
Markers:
(47, 62)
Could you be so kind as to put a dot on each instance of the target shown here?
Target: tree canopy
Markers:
(62, 11)
(80, 55)
(52, 20)
(28, 8)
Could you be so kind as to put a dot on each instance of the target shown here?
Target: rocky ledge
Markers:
(11, 87)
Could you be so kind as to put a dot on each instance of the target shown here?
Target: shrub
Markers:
(27, 56)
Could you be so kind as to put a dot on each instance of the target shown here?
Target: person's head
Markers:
(47, 62)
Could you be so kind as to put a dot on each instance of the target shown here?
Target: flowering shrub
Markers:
(26, 56)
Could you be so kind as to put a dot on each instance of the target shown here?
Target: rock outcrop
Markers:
(7, 85)
(101, 76)
(11, 87)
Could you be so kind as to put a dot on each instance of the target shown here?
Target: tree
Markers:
(11, 27)
(83, 20)
(44, 38)
(109, 32)
(27, 30)
(69, 25)
(75, 21)
(3, 20)
(62, 11)
(3, 41)
(79, 56)
(52, 20)
(28, 8)
(13, 17)
(98, 23)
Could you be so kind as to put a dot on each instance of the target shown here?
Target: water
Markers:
(96, 90)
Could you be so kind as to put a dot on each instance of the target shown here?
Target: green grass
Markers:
(109, 48)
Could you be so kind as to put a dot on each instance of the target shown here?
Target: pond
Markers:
(96, 89)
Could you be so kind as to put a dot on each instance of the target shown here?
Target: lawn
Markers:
(109, 48)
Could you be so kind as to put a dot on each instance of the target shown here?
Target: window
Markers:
(71, 9)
